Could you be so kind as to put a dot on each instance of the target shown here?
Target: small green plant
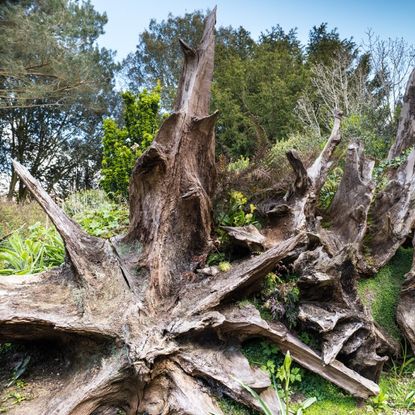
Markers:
(237, 211)
(105, 222)
(97, 213)
(224, 266)
(287, 376)
(239, 165)
(379, 402)
(329, 188)
(41, 249)
(406, 366)
(215, 258)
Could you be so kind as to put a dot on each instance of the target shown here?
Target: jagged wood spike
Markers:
(405, 136)
(392, 214)
(302, 181)
(174, 180)
(193, 95)
(77, 241)
(349, 208)
(321, 166)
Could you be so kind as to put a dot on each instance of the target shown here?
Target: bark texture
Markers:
(171, 334)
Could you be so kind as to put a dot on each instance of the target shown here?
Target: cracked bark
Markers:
(172, 337)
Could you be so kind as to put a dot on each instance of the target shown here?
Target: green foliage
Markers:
(363, 127)
(15, 216)
(381, 293)
(262, 353)
(215, 258)
(237, 211)
(381, 170)
(279, 299)
(407, 364)
(330, 187)
(379, 402)
(230, 407)
(286, 375)
(241, 164)
(40, 250)
(97, 213)
(123, 145)
(57, 85)
(307, 145)
(224, 266)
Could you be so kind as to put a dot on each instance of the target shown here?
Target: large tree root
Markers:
(170, 336)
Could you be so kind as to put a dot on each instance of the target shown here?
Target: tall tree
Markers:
(56, 86)
(251, 110)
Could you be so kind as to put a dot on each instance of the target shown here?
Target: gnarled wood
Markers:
(405, 137)
(246, 322)
(169, 331)
(174, 180)
(392, 215)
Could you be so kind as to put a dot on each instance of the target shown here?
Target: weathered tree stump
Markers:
(168, 337)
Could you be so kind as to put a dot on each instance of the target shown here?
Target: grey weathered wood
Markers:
(166, 327)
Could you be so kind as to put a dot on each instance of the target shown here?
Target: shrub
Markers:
(97, 213)
(237, 211)
(122, 145)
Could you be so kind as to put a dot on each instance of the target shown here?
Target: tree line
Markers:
(62, 116)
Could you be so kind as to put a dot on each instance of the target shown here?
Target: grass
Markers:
(14, 216)
(381, 293)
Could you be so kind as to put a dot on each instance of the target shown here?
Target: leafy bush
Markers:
(330, 187)
(308, 148)
(97, 214)
(239, 165)
(122, 145)
(365, 128)
(41, 249)
(237, 212)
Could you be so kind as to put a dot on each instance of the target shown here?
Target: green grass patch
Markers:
(381, 293)
(230, 407)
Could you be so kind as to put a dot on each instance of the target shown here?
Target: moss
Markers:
(381, 293)
(230, 407)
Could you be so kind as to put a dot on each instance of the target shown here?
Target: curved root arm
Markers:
(213, 291)
(246, 322)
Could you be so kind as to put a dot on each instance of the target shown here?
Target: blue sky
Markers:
(128, 18)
